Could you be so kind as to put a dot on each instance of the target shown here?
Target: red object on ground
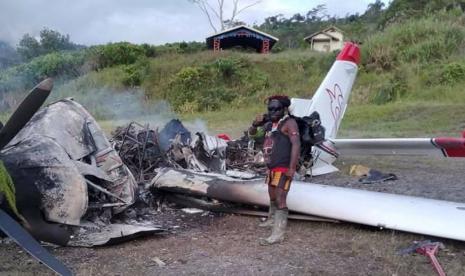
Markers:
(350, 52)
(430, 251)
(224, 136)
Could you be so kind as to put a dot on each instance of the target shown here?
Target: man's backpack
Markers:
(311, 130)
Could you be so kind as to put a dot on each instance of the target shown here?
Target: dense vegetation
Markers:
(412, 62)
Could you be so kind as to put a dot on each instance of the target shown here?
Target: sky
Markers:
(91, 22)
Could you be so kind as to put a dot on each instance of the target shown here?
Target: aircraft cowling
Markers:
(49, 182)
(55, 151)
(65, 122)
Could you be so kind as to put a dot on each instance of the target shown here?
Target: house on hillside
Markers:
(242, 36)
(326, 40)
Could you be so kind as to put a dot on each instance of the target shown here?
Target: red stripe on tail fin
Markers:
(453, 147)
(350, 52)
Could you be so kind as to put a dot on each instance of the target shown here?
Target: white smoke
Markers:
(123, 107)
(197, 125)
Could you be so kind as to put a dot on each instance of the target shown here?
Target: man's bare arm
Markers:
(292, 130)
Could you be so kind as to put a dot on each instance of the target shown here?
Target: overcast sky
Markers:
(140, 21)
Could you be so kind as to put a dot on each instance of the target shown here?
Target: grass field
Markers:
(409, 119)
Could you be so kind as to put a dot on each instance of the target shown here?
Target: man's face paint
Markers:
(275, 110)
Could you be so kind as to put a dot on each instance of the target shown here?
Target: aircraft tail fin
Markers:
(330, 100)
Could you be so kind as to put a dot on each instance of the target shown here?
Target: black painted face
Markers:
(275, 110)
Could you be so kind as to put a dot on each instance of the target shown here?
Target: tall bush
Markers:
(214, 84)
(116, 54)
(56, 64)
(419, 40)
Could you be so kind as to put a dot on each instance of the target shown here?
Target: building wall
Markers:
(325, 45)
(322, 46)
(336, 45)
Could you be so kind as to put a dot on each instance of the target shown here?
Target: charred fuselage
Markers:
(56, 162)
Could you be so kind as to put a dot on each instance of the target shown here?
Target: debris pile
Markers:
(144, 149)
(138, 147)
(244, 156)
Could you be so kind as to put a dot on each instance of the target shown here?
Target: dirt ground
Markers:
(227, 244)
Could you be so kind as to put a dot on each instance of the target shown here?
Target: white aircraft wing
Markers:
(439, 146)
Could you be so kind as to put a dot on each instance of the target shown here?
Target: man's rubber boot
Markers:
(271, 213)
(279, 228)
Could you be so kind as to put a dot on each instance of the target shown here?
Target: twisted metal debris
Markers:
(139, 149)
(144, 149)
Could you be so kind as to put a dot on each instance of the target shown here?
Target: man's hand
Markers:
(290, 173)
(259, 121)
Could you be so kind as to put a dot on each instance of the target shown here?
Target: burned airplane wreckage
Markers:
(210, 172)
(69, 180)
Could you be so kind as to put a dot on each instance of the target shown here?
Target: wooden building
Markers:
(326, 40)
(242, 36)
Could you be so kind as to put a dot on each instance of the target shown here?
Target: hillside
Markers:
(410, 80)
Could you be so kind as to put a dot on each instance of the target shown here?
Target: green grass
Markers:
(229, 120)
(402, 119)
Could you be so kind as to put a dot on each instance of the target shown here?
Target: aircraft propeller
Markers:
(25, 111)
(20, 117)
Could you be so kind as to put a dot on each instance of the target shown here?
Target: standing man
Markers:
(281, 151)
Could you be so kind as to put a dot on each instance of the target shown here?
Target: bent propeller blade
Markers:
(25, 111)
(26, 241)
